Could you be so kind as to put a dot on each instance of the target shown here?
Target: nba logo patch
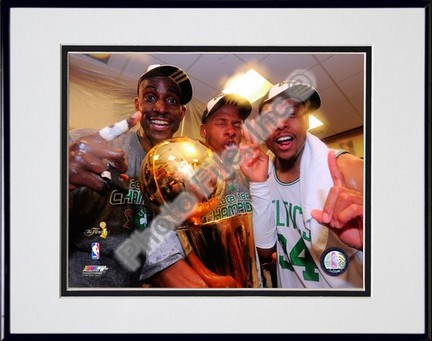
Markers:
(95, 250)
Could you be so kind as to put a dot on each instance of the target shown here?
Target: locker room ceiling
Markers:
(339, 77)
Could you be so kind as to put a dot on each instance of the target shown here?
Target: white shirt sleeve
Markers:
(264, 225)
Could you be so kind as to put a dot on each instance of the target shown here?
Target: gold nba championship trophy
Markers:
(180, 166)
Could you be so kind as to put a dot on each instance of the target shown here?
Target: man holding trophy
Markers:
(225, 239)
(102, 201)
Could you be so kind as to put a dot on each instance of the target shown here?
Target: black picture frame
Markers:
(8, 191)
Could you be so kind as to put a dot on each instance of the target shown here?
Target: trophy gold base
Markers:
(226, 247)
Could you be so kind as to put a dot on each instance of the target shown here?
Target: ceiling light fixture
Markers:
(250, 85)
(314, 122)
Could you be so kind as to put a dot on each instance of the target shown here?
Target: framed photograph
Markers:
(340, 75)
(59, 81)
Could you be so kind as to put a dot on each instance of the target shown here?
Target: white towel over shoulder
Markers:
(315, 183)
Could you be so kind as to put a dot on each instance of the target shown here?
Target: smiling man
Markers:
(307, 202)
(102, 215)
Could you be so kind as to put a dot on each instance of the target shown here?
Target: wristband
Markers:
(111, 132)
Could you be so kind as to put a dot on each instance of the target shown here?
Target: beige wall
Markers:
(351, 141)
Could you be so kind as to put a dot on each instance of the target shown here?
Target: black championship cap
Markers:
(173, 72)
(293, 89)
(217, 102)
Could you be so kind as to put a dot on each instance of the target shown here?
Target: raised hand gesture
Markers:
(253, 160)
(343, 208)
